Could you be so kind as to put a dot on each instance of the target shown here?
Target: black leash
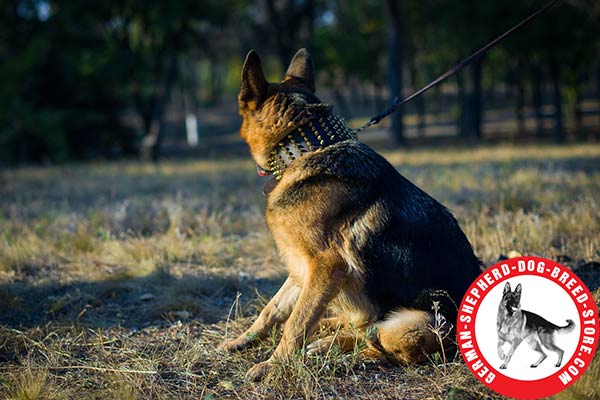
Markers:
(396, 103)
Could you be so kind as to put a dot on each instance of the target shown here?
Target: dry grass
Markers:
(118, 280)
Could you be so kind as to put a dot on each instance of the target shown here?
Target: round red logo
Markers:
(527, 327)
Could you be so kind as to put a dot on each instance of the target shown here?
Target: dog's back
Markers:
(540, 325)
(400, 240)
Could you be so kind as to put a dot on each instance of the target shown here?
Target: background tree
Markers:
(82, 80)
(60, 85)
(154, 35)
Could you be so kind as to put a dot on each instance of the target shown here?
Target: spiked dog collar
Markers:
(316, 134)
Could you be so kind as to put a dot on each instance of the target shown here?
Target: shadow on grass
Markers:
(133, 303)
(153, 299)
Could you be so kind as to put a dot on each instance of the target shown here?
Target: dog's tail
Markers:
(406, 336)
(567, 328)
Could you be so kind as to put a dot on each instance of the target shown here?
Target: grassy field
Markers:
(118, 280)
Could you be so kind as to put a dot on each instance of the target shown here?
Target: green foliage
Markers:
(60, 95)
(70, 70)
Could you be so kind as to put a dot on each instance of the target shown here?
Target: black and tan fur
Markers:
(353, 232)
(515, 325)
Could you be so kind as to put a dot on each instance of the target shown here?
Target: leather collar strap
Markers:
(316, 134)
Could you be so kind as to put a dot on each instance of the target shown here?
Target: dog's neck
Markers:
(315, 134)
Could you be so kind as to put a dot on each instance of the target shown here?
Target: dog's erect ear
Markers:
(518, 290)
(506, 288)
(302, 70)
(254, 85)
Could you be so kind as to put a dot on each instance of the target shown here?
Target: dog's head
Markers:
(271, 110)
(511, 300)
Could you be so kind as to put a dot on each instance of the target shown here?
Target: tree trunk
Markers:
(476, 98)
(310, 21)
(151, 144)
(191, 102)
(439, 97)
(395, 76)
(464, 106)
(490, 95)
(378, 101)
(559, 132)
(340, 99)
(520, 94)
(419, 101)
(537, 102)
(598, 82)
(284, 51)
(598, 92)
(470, 95)
(577, 112)
(287, 23)
(23, 150)
(365, 95)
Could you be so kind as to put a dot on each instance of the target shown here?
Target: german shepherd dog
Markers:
(355, 234)
(516, 325)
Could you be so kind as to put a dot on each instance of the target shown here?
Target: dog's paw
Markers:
(558, 364)
(533, 366)
(230, 346)
(503, 366)
(258, 371)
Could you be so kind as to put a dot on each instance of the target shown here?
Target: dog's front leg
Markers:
(513, 346)
(501, 342)
(320, 286)
(275, 312)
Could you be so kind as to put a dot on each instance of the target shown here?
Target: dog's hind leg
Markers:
(548, 342)
(331, 323)
(342, 342)
(275, 312)
(535, 345)
(346, 333)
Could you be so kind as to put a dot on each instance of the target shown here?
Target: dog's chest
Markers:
(290, 249)
(511, 326)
